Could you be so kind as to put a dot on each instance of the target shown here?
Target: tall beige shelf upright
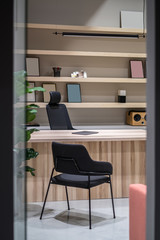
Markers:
(106, 61)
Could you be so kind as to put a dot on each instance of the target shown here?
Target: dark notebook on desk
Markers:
(85, 132)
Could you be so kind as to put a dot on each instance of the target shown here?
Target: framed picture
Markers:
(136, 68)
(48, 87)
(74, 93)
(32, 66)
(131, 19)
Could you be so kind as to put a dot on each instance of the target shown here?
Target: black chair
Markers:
(78, 170)
(57, 113)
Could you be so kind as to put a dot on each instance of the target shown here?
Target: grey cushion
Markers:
(79, 181)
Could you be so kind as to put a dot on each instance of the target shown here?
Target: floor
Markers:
(60, 224)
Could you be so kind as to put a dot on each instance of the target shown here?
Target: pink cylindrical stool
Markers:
(137, 211)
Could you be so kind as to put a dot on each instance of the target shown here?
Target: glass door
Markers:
(19, 120)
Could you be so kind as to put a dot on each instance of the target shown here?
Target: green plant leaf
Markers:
(31, 153)
(32, 106)
(30, 90)
(32, 110)
(30, 115)
(27, 83)
(29, 132)
(30, 169)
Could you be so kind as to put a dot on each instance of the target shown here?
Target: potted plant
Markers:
(30, 114)
(31, 111)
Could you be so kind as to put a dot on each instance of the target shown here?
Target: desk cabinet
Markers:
(127, 158)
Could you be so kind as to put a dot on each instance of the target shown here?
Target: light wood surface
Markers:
(85, 28)
(98, 105)
(127, 158)
(86, 53)
(85, 80)
(99, 135)
(125, 149)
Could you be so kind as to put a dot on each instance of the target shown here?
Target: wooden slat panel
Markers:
(127, 158)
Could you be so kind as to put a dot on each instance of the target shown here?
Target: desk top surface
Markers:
(99, 135)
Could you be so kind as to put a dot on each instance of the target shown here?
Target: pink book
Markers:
(136, 69)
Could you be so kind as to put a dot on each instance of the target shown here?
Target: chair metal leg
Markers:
(89, 202)
(89, 209)
(112, 197)
(46, 193)
(67, 198)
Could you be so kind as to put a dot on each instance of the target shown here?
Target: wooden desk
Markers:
(124, 148)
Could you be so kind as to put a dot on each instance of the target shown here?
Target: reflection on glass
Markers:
(19, 120)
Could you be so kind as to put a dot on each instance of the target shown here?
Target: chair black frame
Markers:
(67, 160)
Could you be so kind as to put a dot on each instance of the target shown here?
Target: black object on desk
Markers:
(85, 132)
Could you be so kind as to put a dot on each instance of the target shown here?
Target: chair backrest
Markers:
(57, 113)
(75, 159)
(70, 158)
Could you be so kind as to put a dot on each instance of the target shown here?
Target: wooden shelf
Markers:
(97, 105)
(50, 79)
(89, 29)
(86, 54)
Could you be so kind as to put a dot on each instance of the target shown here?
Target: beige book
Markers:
(32, 66)
(48, 87)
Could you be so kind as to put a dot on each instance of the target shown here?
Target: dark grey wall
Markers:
(150, 121)
(6, 120)
(153, 122)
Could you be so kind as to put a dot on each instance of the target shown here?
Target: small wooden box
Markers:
(136, 118)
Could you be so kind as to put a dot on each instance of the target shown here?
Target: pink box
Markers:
(136, 69)
(137, 211)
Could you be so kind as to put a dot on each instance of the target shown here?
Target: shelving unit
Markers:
(89, 29)
(106, 65)
(49, 79)
(86, 54)
(97, 105)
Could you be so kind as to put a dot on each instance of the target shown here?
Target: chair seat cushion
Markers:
(79, 181)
